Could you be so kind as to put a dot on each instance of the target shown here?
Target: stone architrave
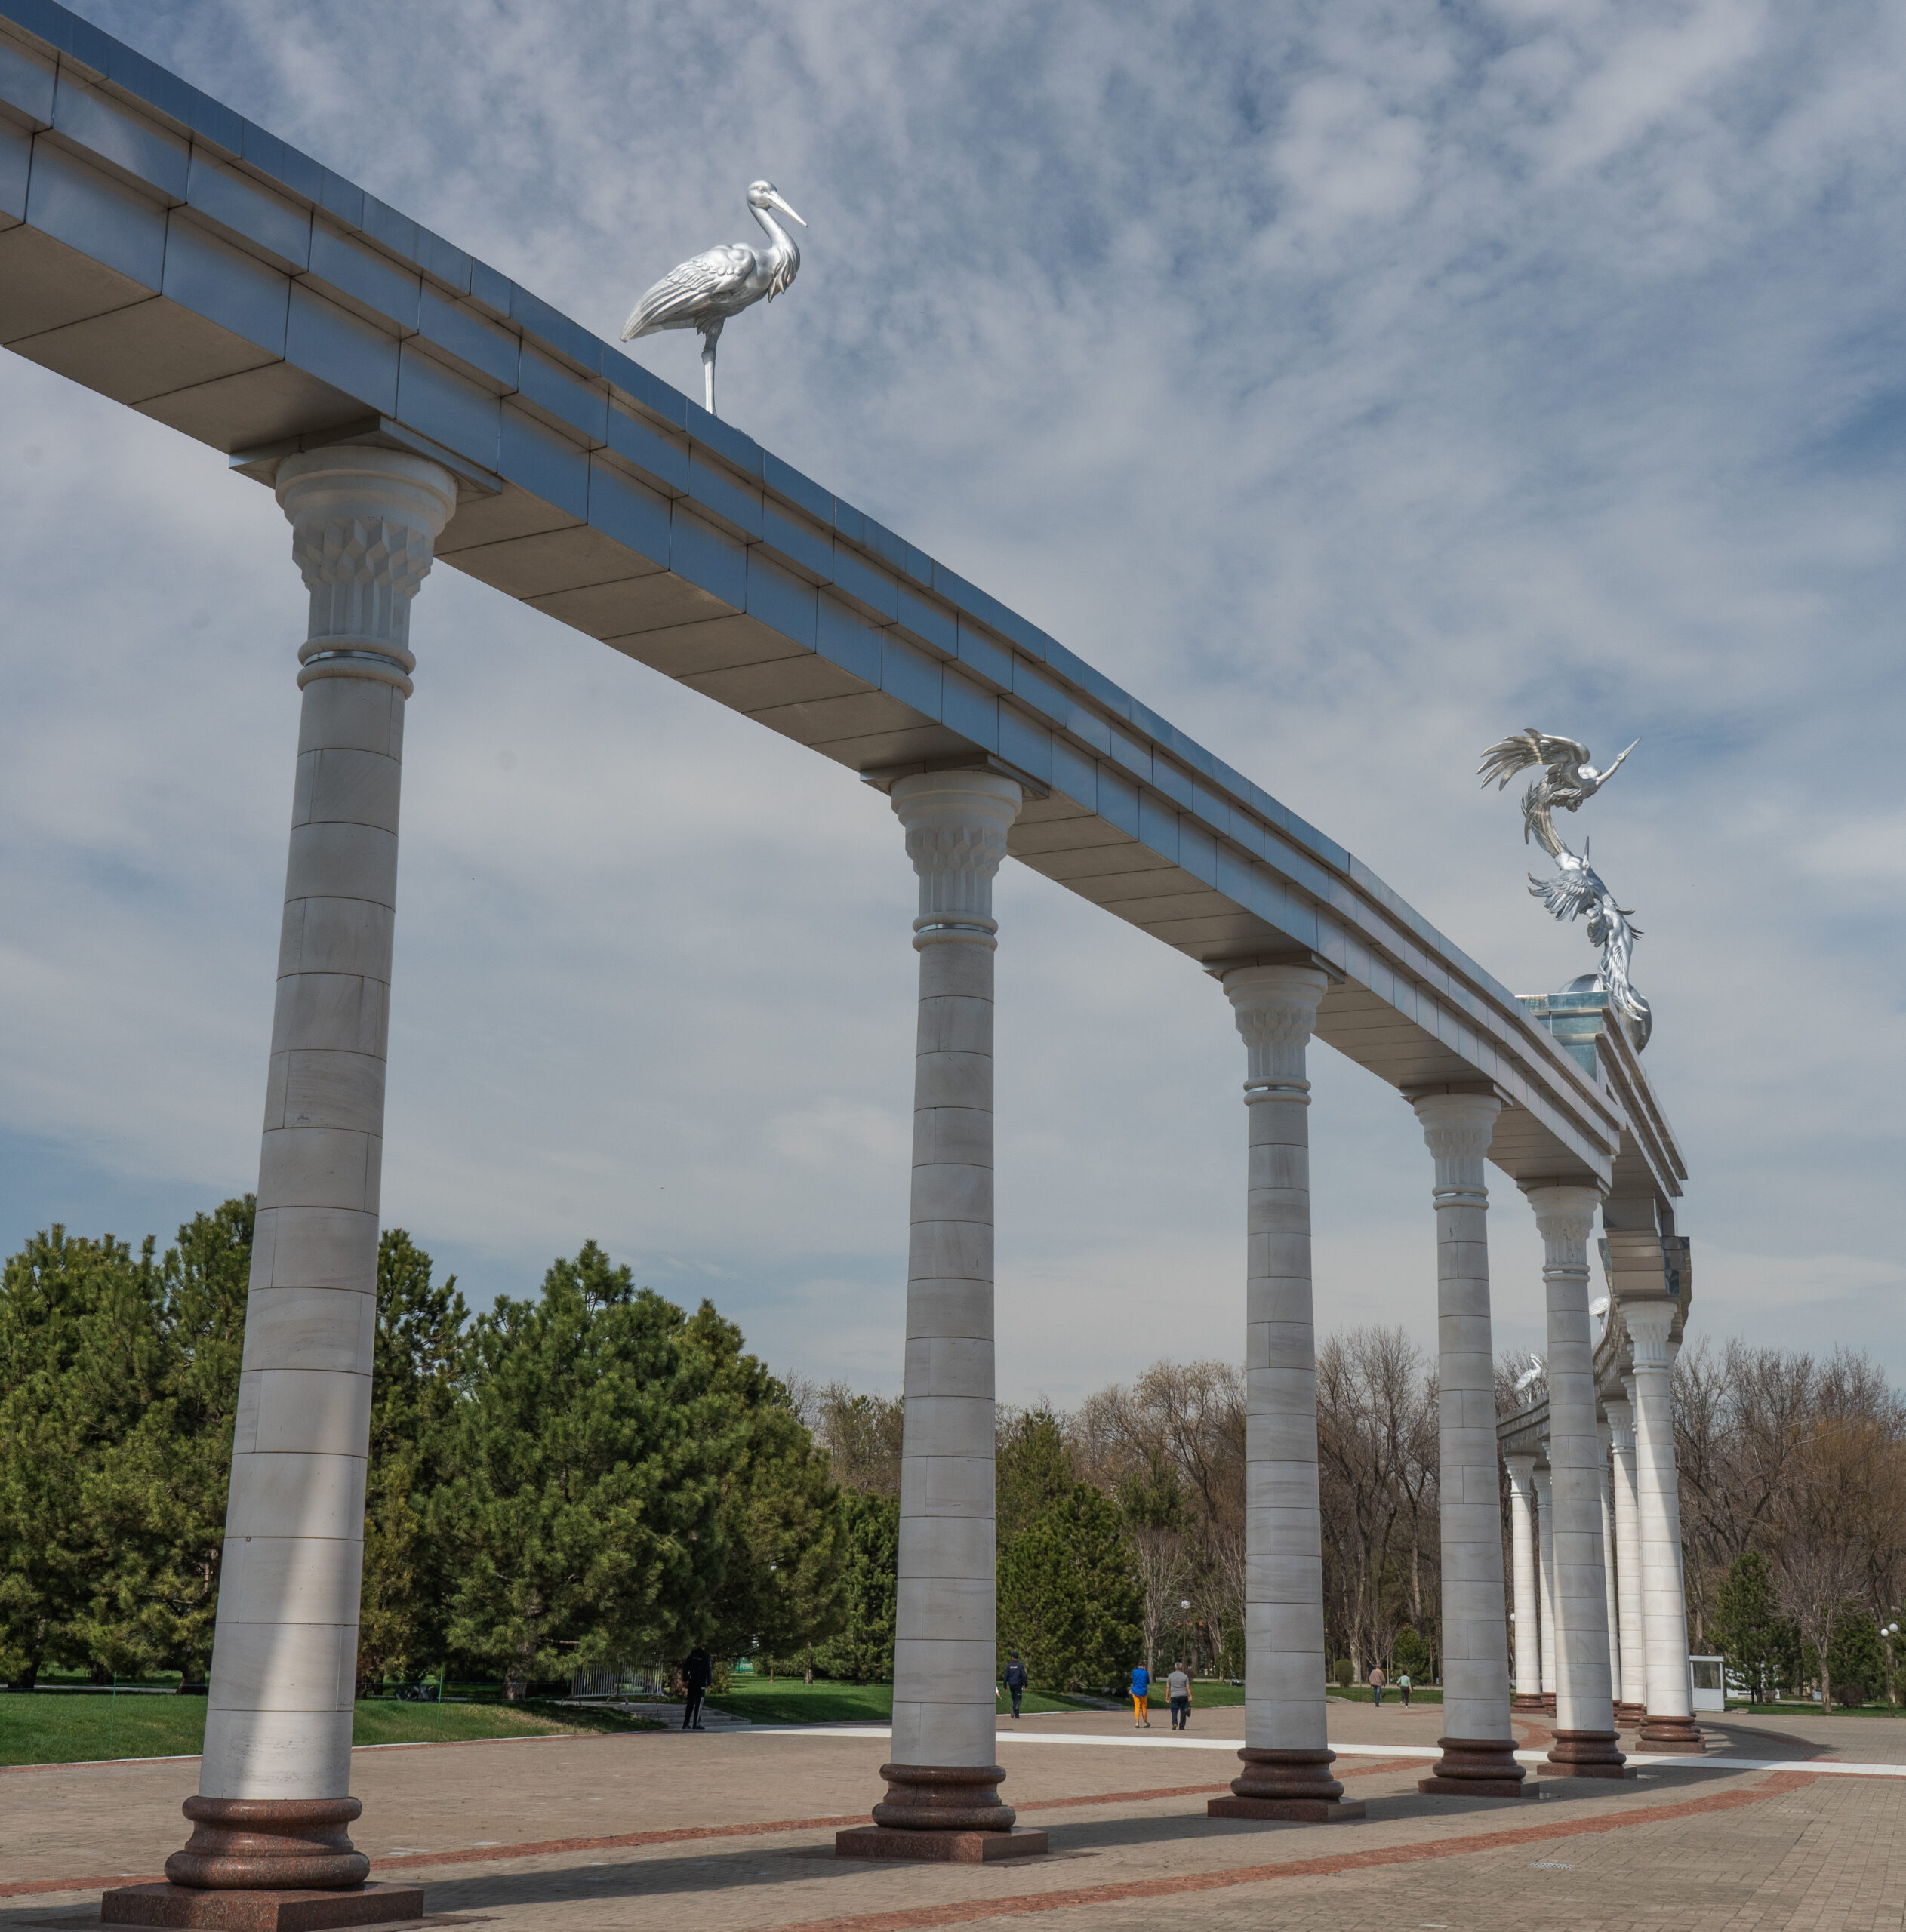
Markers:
(1669, 1724)
(1611, 1609)
(1286, 1754)
(1586, 1744)
(1633, 1706)
(1478, 1747)
(270, 1850)
(1545, 1578)
(1528, 1620)
(943, 1802)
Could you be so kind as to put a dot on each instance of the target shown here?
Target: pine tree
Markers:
(81, 1358)
(783, 1531)
(591, 1464)
(1034, 1471)
(862, 1650)
(1854, 1660)
(418, 1369)
(1068, 1601)
(1754, 1638)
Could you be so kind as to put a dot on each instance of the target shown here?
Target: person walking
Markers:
(1015, 1681)
(1377, 1681)
(698, 1670)
(1141, 1690)
(1403, 1689)
(1178, 1686)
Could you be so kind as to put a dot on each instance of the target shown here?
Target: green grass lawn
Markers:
(59, 1727)
(1812, 1710)
(787, 1700)
(1360, 1693)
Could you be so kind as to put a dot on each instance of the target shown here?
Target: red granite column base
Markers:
(1585, 1754)
(1477, 1767)
(187, 1908)
(1630, 1716)
(1294, 1785)
(1548, 1702)
(264, 1844)
(1526, 1700)
(950, 1812)
(1672, 1734)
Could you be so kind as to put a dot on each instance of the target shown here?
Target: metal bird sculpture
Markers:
(708, 288)
(1569, 780)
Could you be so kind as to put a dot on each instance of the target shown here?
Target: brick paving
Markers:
(717, 1832)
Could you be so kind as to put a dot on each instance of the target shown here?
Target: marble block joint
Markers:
(1287, 1760)
(942, 1800)
(270, 1847)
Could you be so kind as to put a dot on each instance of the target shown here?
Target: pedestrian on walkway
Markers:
(1377, 1681)
(1015, 1681)
(697, 1668)
(1403, 1689)
(1179, 1686)
(1141, 1691)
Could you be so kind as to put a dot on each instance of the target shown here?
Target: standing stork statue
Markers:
(706, 289)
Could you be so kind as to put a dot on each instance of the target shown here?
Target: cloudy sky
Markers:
(1354, 382)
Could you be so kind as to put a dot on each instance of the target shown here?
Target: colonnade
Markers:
(1626, 1623)
(274, 1804)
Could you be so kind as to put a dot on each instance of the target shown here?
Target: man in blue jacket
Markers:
(1141, 1690)
(1015, 1681)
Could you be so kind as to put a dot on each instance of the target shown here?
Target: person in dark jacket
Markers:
(1015, 1681)
(697, 1668)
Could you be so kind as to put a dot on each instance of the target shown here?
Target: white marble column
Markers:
(1585, 1737)
(1528, 1619)
(944, 1776)
(1611, 1610)
(1669, 1725)
(1627, 1561)
(1478, 1746)
(1545, 1578)
(1286, 1754)
(278, 1729)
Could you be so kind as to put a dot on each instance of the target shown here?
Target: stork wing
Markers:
(1560, 755)
(1567, 895)
(696, 290)
(1500, 762)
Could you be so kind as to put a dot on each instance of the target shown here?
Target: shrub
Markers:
(1341, 1670)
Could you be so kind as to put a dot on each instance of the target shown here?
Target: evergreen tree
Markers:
(81, 1357)
(1033, 1471)
(591, 1467)
(862, 1650)
(1854, 1660)
(1747, 1625)
(1068, 1601)
(175, 1471)
(420, 1353)
(782, 1526)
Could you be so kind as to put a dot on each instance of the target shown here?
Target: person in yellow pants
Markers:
(1141, 1688)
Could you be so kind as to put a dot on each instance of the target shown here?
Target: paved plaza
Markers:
(706, 1833)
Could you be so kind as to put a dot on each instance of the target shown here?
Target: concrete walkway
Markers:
(713, 1832)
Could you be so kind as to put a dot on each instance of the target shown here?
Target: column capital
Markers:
(1647, 1325)
(1543, 1477)
(956, 823)
(1276, 1009)
(1621, 1425)
(365, 522)
(1564, 1210)
(1522, 1474)
(1458, 1122)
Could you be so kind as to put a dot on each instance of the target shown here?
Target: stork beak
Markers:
(1611, 771)
(775, 200)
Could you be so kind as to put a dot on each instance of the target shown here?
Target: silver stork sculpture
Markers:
(706, 289)
(1569, 780)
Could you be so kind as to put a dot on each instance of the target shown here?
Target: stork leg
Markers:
(708, 339)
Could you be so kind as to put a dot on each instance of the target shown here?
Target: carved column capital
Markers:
(1457, 1129)
(1521, 1475)
(1622, 1427)
(1276, 1009)
(365, 523)
(1565, 1215)
(956, 823)
(1649, 1324)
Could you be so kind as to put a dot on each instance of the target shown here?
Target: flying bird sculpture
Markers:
(708, 288)
(1569, 780)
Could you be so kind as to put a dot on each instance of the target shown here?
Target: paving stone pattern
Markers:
(717, 1832)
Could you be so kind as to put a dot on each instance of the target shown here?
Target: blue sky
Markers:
(1354, 383)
